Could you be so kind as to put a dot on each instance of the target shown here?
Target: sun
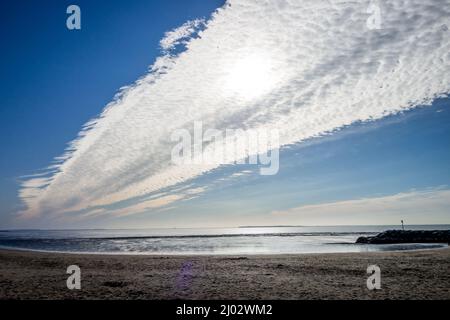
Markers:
(250, 77)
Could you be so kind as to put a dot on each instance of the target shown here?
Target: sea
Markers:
(252, 240)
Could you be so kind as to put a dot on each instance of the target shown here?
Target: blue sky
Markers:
(406, 154)
(54, 80)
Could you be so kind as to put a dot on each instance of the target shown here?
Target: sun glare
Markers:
(250, 77)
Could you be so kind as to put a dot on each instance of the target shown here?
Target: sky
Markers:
(357, 95)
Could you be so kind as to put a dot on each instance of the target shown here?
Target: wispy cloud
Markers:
(324, 69)
(157, 201)
(180, 35)
(416, 207)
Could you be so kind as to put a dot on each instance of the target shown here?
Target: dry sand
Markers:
(404, 275)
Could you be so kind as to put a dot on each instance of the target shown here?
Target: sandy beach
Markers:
(404, 275)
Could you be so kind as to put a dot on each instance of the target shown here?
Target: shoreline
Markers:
(443, 246)
(418, 274)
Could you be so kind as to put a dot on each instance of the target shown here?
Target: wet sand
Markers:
(404, 275)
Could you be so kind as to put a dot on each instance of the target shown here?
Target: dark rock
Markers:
(408, 236)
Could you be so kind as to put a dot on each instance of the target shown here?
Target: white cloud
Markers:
(322, 69)
(180, 35)
(147, 205)
(417, 207)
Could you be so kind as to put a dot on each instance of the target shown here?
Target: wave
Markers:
(283, 234)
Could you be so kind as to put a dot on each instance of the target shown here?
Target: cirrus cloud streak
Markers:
(327, 70)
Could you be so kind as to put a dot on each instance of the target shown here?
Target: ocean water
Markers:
(243, 240)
